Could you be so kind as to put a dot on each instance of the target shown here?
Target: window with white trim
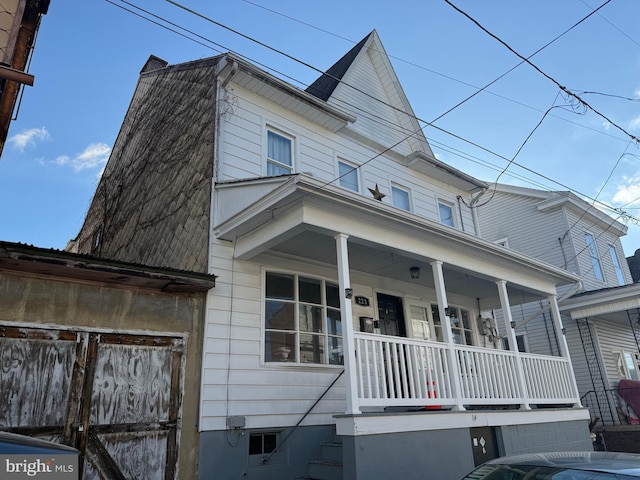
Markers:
(461, 324)
(279, 154)
(627, 364)
(445, 212)
(616, 264)
(595, 258)
(400, 197)
(348, 176)
(302, 320)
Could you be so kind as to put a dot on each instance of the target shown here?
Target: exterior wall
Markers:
(236, 381)
(528, 230)
(546, 437)
(50, 302)
(153, 200)
(242, 154)
(447, 454)
(226, 454)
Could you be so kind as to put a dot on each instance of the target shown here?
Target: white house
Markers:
(350, 276)
(601, 317)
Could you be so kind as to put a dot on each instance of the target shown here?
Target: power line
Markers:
(541, 72)
(371, 115)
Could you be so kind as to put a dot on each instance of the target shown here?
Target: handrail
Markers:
(268, 457)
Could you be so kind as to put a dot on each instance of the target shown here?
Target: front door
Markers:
(390, 315)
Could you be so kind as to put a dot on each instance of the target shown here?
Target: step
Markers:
(325, 470)
(332, 451)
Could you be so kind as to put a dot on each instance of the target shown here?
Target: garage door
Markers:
(114, 396)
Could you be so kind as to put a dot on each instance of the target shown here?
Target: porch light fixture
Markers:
(348, 293)
(414, 272)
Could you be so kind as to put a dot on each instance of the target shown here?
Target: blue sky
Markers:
(89, 54)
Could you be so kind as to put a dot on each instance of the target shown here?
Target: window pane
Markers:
(631, 366)
(310, 290)
(400, 198)
(616, 265)
(333, 300)
(280, 286)
(273, 169)
(446, 214)
(311, 348)
(595, 260)
(270, 442)
(279, 347)
(279, 315)
(278, 148)
(255, 444)
(336, 355)
(334, 322)
(348, 176)
(420, 322)
(310, 318)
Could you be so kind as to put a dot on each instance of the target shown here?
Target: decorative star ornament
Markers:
(377, 194)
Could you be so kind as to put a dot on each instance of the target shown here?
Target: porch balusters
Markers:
(513, 344)
(564, 348)
(447, 334)
(348, 335)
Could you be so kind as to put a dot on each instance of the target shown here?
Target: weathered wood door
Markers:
(114, 396)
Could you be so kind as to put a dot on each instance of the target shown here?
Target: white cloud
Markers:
(635, 124)
(628, 192)
(95, 155)
(28, 138)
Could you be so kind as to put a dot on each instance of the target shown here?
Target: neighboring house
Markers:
(103, 356)
(19, 24)
(351, 278)
(601, 318)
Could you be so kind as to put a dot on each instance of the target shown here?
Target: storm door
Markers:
(391, 316)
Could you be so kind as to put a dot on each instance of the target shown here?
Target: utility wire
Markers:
(380, 153)
(541, 72)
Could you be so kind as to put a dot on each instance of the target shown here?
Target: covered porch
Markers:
(299, 219)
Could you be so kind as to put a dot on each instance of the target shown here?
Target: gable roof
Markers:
(324, 86)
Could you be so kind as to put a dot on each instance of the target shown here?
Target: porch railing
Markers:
(395, 371)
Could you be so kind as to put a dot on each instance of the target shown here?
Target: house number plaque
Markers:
(362, 301)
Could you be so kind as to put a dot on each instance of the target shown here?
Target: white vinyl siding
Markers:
(243, 155)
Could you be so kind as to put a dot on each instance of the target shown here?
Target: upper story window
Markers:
(348, 175)
(302, 320)
(400, 198)
(616, 264)
(445, 210)
(593, 253)
(279, 154)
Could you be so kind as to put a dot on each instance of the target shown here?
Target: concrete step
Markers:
(325, 470)
(332, 451)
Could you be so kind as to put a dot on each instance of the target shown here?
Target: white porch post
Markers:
(562, 340)
(513, 343)
(443, 304)
(348, 337)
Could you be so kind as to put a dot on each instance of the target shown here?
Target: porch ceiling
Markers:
(394, 265)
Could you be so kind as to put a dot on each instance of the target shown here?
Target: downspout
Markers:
(474, 211)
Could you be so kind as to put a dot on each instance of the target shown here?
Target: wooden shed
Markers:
(103, 356)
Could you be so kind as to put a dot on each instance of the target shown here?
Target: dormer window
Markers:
(279, 154)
